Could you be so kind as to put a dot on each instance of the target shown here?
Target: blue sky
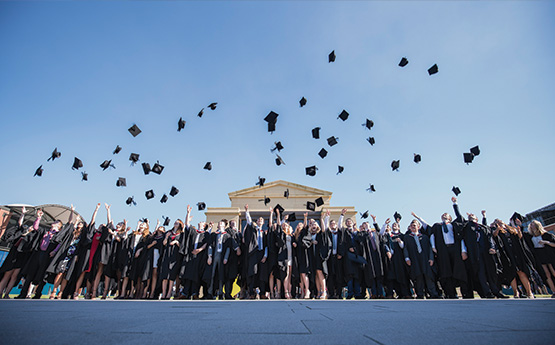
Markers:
(76, 75)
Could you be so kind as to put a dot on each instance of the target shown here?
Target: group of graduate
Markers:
(321, 258)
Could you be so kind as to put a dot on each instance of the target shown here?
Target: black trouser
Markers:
(333, 284)
(449, 284)
(423, 281)
(217, 275)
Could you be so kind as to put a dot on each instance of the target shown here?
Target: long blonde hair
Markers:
(536, 228)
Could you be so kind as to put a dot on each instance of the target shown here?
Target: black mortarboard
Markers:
(55, 154)
(271, 117)
(302, 102)
(371, 188)
(39, 171)
(518, 216)
(77, 163)
(164, 199)
(181, 124)
(134, 130)
(201, 206)
(344, 115)
(208, 166)
(121, 182)
(286, 194)
(371, 140)
(310, 206)
(266, 200)
(166, 221)
(157, 168)
(84, 176)
(332, 141)
(456, 190)
(213, 105)
(117, 150)
(397, 216)
(146, 168)
(311, 171)
(417, 158)
(280, 208)
(106, 164)
(174, 191)
(340, 169)
(134, 158)
(200, 112)
(323, 153)
(432, 70)
(149, 194)
(475, 150)
(261, 181)
(364, 215)
(468, 157)
(130, 201)
(331, 56)
(279, 160)
(316, 133)
(395, 165)
(319, 202)
(291, 217)
(278, 146)
(369, 124)
(271, 127)
(403, 62)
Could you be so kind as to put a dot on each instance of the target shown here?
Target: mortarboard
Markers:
(117, 150)
(397, 216)
(55, 154)
(286, 194)
(208, 166)
(134, 130)
(213, 105)
(323, 153)
(271, 117)
(310, 206)
(364, 215)
(106, 164)
(174, 191)
(291, 217)
(181, 124)
(432, 70)
(456, 190)
(39, 171)
(316, 133)
(266, 200)
(279, 160)
(200, 113)
(417, 158)
(369, 124)
(518, 216)
(395, 165)
(278, 146)
(164, 199)
(271, 127)
(311, 171)
(146, 168)
(121, 182)
(344, 115)
(340, 169)
(371, 140)
(166, 221)
(302, 102)
(332, 141)
(279, 208)
(134, 158)
(201, 206)
(468, 157)
(84, 176)
(319, 202)
(403, 62)
(475, 150)
(130, 201)
(77, 163)
(149, 194)
(331, 56)
(371, 188)
(157, 168)
(261, 181)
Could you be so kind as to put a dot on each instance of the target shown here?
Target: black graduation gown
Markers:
(141, 269)
(15, 257)
(335, 265)
(35, 268)
(447, 268)
(319, 254)
(397, 270)
(282, 254)
(517, 252)
(374, 264)
(351, 270)
(232, 267)
(254, 266)
(170, 256)
(304, 241)
(419, 262)
(130, 264)
(196, 266)
(272, 259)
(64, 238)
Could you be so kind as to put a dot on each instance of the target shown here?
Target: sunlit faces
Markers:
(349, 223)
(260, 221)
(333, 225)
(396, 227)
(446, 218)
(414, 225)
(472, 218)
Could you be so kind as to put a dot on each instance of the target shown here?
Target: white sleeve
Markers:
(433, 241)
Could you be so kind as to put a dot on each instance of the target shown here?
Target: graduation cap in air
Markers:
(39, 171)
(319, 202)
(181, 124)
(134, 158)
(340, 169)
(395, 165)
(456, 190)
(157, 168)
(200, 113)
(149, 194)
(134, 130)
(278, 146)
(286, 194)
(77, 163)
(261, 181)
(174, 191)
(302, 102)
(213, 105)
(403, 62)
(271, 117)
(201, 206)
(310, 206)
(279, 208)
(117, 150)
(364, 215)
(368, 124)
(417, 158)
(468, 157)
(331, 56)
(516, 216)
(271, 127)
(397, 216)
(371, 188)
(311, 171)
(208, 166)
(432, 70)
(55, 154)
(371, 140)
(130, 201)
(475, 150)
(344, 115)
(121, 182)
(146, 168)
(316, 133)
(279, 160)
(323, 153)
(84, 176)
(106, 164)
(164, 199)
(332, 141)
(291, 217)
(166, 221)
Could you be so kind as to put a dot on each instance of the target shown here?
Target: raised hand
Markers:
(189, 208)
(483, 213)
(373, 217)
(387, 221)
(39, 213)
(454, 200)
(246, 207)
(107, 206)
(343, 211)
(23, 210)
(97, 206)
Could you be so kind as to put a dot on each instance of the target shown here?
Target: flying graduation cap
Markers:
(344, 115)
(77, 163)
(164, 199)
(117, 150)
(174, 191)
(149, 194)
(323, 153)
(397, 216)
(340, 169)
(55, 154)
(146, 168)
(319, 202)
(368, 124)
(107, 164)
(157, 168)
(395, 165)
(516, 216)
(417, 158)
(316, 133)
(201, 206)
(331, 56)
(181, 124)
(432, 70)
(200, 113)
(468, 157)
(134, 158)
(266, 200)
(302, 102)
(130, 201)
(291, 217)
(371, 188)
(134, 130)
(456, 190)
(271, 118)
(39, 171)
(332, 141)
(166, 221)
(213, 105)
(208, 166)
(278, 146)
(475, 150)
(84, 176)
(121, 182)
(286, 194)
(403, 62)
(261, 181)
(371, 140)
(310, 206)
(311, 171)
(279, 160)
(364, 215)
(279, 208)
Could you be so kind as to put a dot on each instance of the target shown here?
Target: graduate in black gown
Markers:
(119, 255)
(232, 268)
(397, 270)
(171, 258)
(110, 252)
(195, 252)
(303, 241)
(219, 248)
(542, 244)
(274, 281)
(319, 250)
(285, 253)
(156, 246)
(335, 280)
(257, 253)
(132, 249)
(352, 259)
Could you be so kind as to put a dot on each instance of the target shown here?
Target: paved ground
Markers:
(278, 322)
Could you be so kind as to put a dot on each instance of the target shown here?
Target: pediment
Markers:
(277, 188)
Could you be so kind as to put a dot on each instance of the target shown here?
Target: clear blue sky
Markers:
(76, 75)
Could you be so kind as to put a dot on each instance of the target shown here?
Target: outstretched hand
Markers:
(454, 200)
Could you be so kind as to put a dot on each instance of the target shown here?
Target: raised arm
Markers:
(23, 211)
(456, 209)
(484, 220)
(93, 219)
(187, 223)
(108, 215)
(37, 221)
(422, 221)
(272, 217)
(71, 215)
(248, 215)
(305, 219)
(341, 218)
